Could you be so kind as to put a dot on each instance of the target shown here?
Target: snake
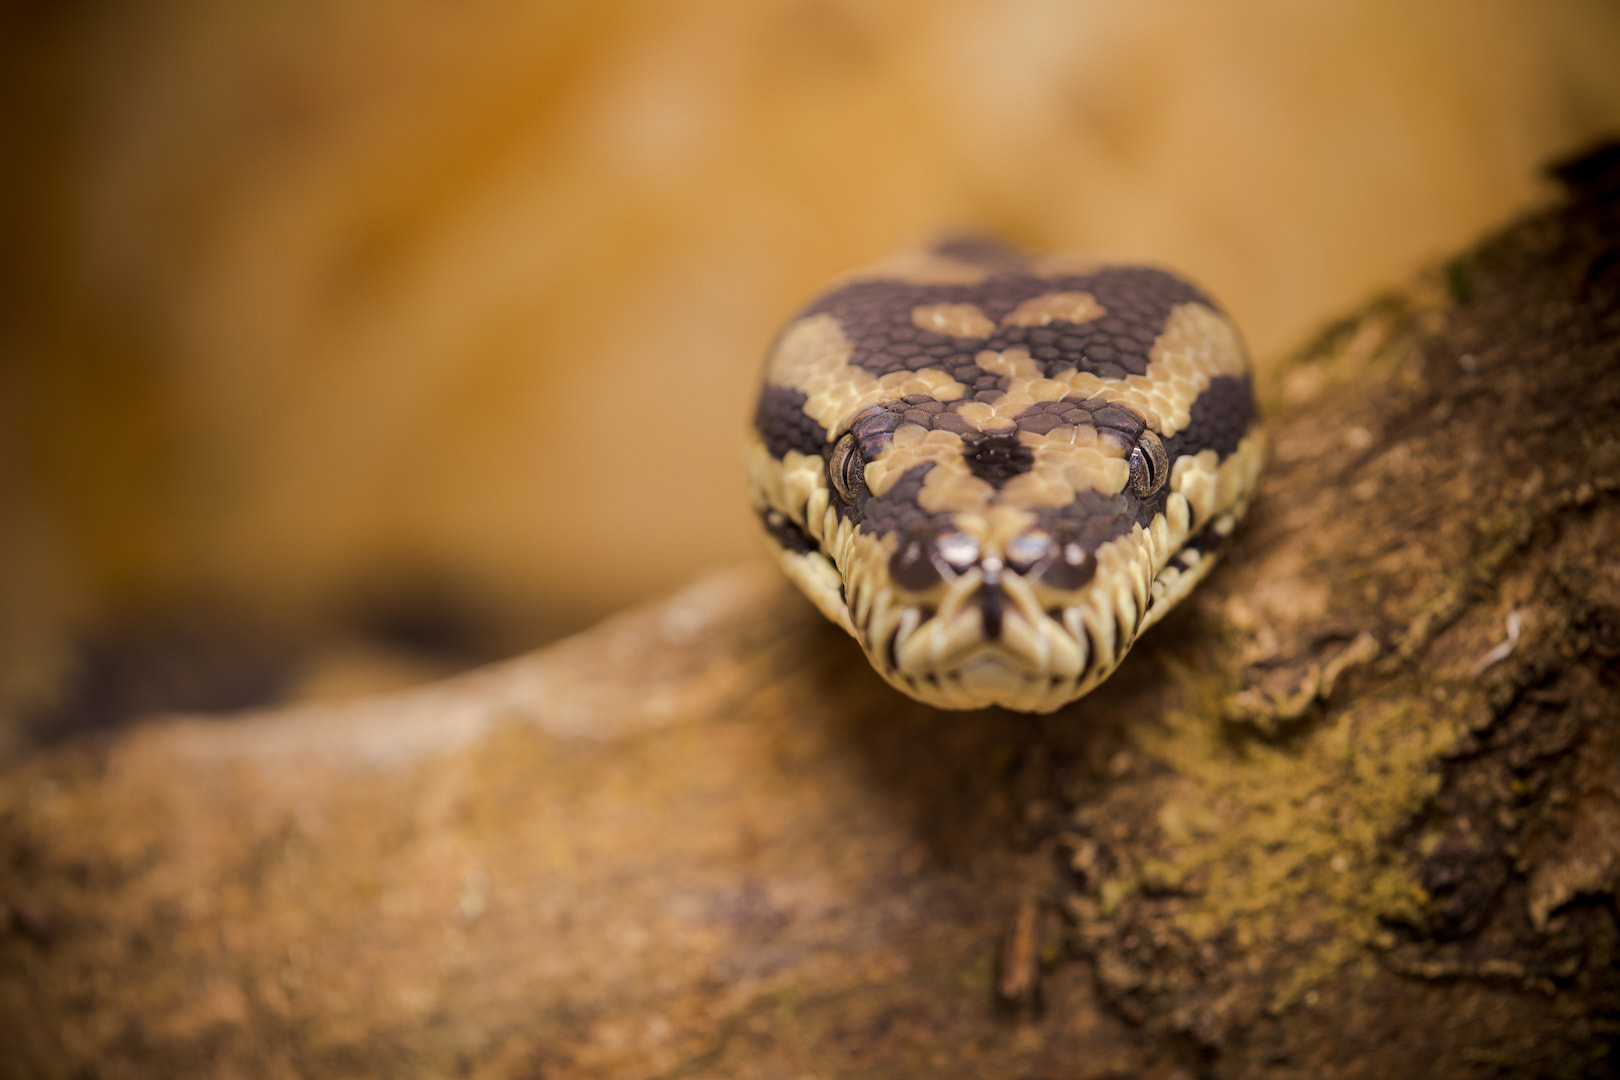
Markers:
(995, 469)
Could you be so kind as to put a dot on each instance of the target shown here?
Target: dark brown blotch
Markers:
(876, 318)
(781, 422)
(996, 458)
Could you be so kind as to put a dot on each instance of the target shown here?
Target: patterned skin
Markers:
(996, 470)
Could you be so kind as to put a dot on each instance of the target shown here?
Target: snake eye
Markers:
(847, 469)
(1150, 465)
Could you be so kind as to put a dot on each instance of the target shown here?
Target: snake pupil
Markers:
(846, 468)
(1150, 465)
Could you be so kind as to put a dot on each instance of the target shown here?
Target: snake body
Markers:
(995, 470)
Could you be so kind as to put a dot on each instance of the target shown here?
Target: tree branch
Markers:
(1354, 809)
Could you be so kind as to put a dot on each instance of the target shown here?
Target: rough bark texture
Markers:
(1354, 811)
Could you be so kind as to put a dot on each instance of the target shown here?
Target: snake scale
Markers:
(995, 470)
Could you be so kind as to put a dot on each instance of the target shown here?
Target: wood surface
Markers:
(1353, 811)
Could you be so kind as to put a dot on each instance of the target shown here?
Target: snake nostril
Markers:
(912, 565)
(957, 550)
(1066, 564)
(1028, 551)
(923, 560)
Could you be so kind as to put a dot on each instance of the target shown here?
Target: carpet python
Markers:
(996, 470)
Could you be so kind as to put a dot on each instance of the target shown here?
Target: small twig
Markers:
(1019, 980)
(1505, 649)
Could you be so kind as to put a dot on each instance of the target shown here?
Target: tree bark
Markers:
(1353, 811)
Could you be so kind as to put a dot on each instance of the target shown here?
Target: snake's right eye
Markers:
(1150, 464)
(847, 469)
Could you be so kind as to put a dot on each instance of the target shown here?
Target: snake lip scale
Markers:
(996, 470)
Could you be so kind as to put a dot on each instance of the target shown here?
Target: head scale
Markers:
(995, 471)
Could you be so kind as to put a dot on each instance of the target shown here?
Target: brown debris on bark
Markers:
(1354, 810)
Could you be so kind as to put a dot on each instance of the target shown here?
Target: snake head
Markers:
(995, 475)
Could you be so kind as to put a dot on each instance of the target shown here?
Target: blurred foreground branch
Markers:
(1356, 808)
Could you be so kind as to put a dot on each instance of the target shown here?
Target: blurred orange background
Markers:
(312, 311)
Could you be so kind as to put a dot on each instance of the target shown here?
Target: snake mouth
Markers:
(1035, 664)
(994, 636)
(986, 642)
(979, 634)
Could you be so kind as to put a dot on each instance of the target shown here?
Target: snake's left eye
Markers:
(847, 469)
(1150, 465)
